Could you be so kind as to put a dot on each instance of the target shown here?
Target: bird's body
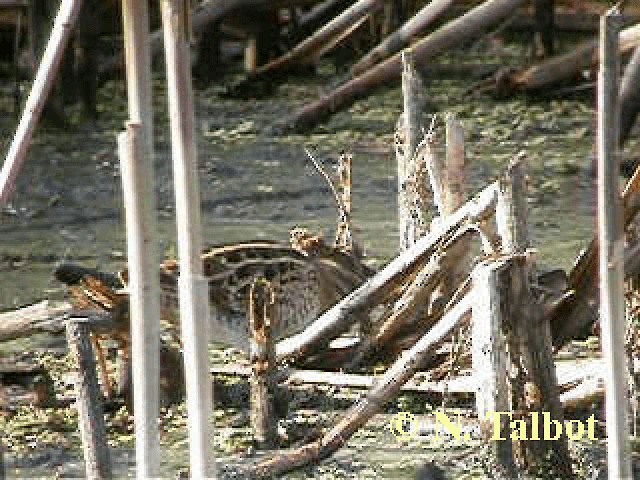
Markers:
(308, 278)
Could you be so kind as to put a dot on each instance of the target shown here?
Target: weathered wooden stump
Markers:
(520, 340)
(262, 316)
(88, 402)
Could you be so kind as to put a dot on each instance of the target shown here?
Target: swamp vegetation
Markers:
(256, 185)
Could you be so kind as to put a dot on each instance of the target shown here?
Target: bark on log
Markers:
(262, 356)
(320, 14)
(561, 68)
(453, 34)
(46, 317)
(417, 293)
(629, 96)
(403, 37)
(385, 389)
(411, 224)
(310, 47)
(338, 318)
(489, 357)
(532, 377)
(88, 403)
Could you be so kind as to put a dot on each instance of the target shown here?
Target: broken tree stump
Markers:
(489, 357)
(262, 356)
(88, 402)
(532, 378)
(410, 215)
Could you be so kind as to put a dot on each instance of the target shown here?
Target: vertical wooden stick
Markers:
(192, 285)
(489, 356)
(46, 75)
(262, 356)
(137, 49)
(611, 252)
(136, 157)
(144, 294)
(251, 54)
(88, 403)
(344, 238)
(511, 209)
(409, 219)
(2, 468)
(456, 175)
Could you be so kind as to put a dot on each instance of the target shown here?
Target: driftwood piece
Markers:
(338, 318)
(581, 380)
(532, 377)
(384, 390)
(262, 357)
(453, 34)
(403, 37)
(564, 20)
(88, 402)
(463, 385)
(561, 68)
(404, 310)
(629, 97)
(46, 317)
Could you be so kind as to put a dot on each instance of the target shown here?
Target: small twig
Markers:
(341, 207)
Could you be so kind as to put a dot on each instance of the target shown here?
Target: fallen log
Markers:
(403, 37)
(311, 46)
(561, 68)
(453, 34)
(45, 317)
(384, 390)
(458, 385)
(573, 376)
(339, 318)
(416, 294)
